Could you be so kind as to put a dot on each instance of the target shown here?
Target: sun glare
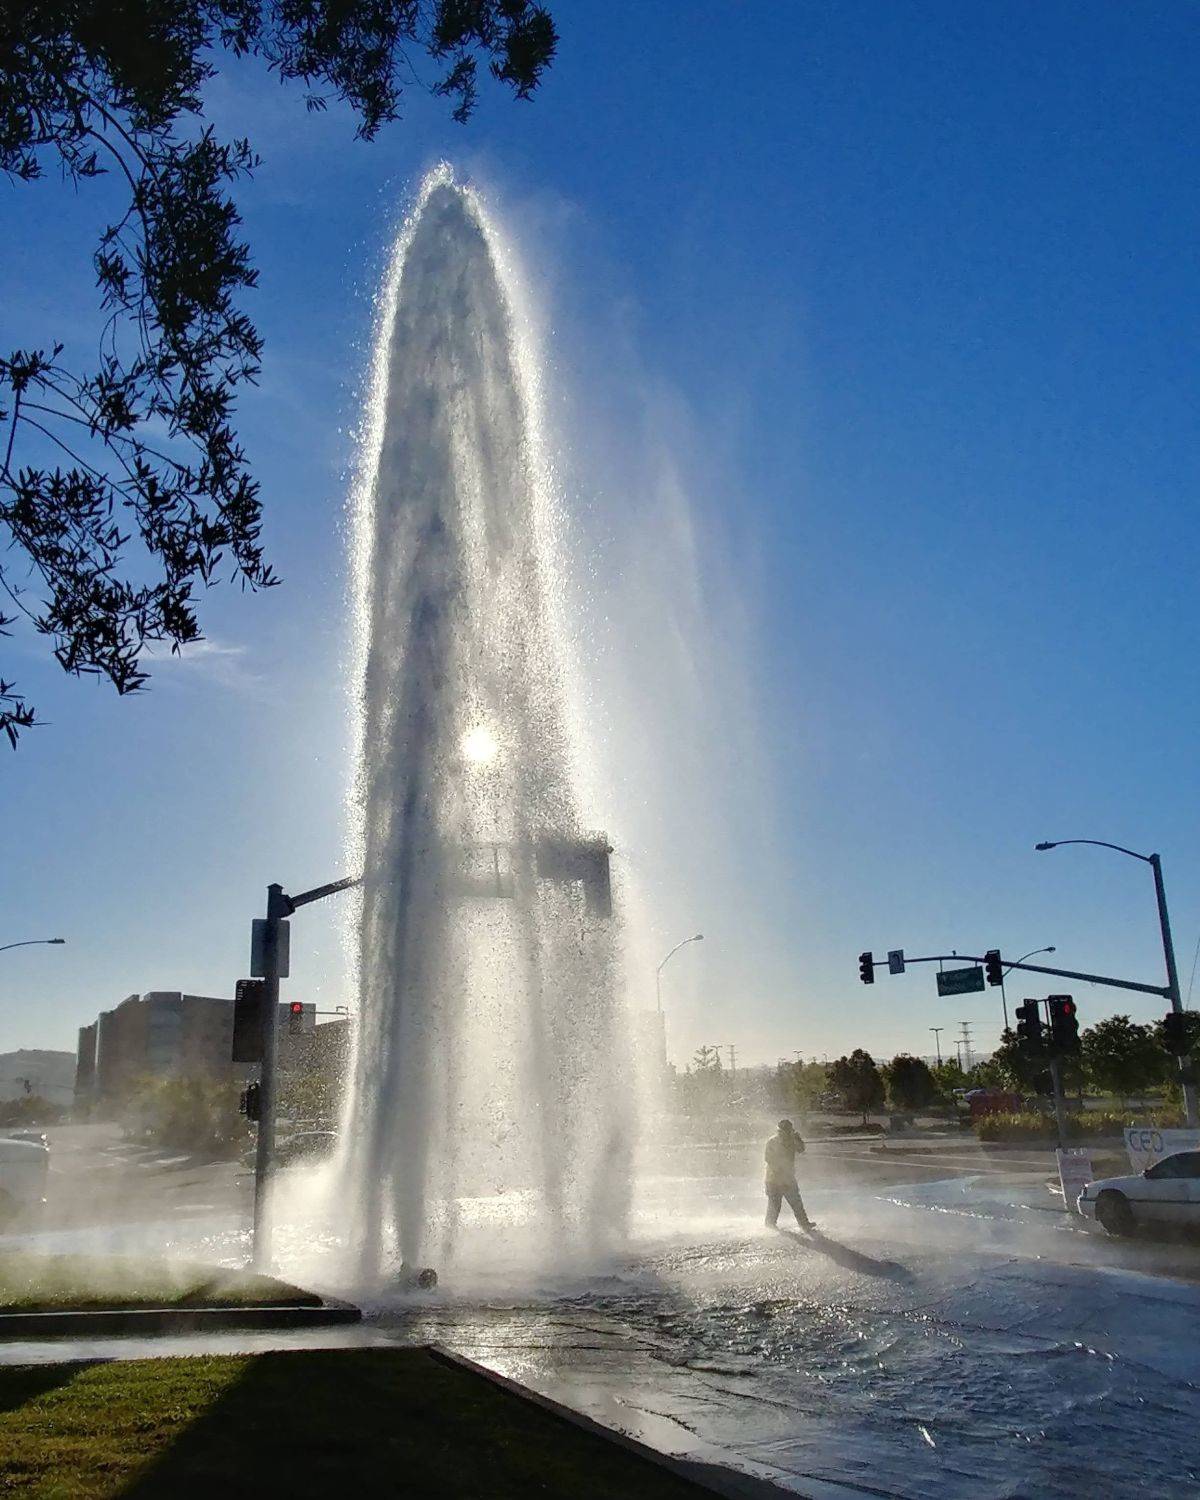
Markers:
(479, 745)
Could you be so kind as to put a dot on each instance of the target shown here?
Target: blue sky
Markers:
(871, 371)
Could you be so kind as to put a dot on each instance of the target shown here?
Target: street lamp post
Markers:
(32, 943)
(1164, 923)
(1033, 953)
(695, 938)
(937, 1038)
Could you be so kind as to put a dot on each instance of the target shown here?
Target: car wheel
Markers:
(1115, 1214)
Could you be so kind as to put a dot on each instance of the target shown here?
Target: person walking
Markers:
(780, 1156)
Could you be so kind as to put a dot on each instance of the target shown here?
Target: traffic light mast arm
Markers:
(318, 893)
(1116, 984)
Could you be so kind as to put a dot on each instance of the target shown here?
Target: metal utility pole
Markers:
(732, 1050)
(966, 1043)
(937, 1039)
(1033, 953)
(696, 938)
(1060, 1112)
(1164, 922)
(270, 965)
(269, 951)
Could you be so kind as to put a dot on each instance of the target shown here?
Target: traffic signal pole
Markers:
(277, 910)
(280, 906)
(1176, 999)
(946, 958)
(1060, 1111)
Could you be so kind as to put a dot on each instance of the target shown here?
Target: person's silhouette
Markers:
(780, 1156)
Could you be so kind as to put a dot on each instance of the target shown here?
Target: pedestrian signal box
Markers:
(248, 1020)
(1174, 1030)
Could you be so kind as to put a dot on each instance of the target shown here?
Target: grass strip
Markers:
(86, 1283)
(310, 1422)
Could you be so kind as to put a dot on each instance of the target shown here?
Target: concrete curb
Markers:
(141, 1321)
(732, 1484)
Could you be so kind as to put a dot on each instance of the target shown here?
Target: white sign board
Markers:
(1074, 1173)
(1146, 1144)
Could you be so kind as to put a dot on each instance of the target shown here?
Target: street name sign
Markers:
(960, 981)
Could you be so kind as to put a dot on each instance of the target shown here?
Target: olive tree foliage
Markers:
(123, 486)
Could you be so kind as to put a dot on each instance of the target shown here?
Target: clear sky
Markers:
(871, 339)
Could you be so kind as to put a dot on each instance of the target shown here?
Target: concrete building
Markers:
(163, 1033)
(85, 1062)
(34, 1073)
(324, 1050)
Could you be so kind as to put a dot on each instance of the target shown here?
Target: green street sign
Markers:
(960, 981)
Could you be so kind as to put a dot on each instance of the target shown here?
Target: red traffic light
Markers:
(1068, 1007)
(297, 1007)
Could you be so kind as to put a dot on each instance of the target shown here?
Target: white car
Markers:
(24, 1164)
(1166, 1193)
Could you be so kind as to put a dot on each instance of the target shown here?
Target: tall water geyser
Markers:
(492, 1100)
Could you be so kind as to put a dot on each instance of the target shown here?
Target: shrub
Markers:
(1031, 1125)
(29, 1109)
(186, 1114)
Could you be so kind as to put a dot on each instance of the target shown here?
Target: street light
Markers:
(1164, 923)
(937, 1037)
(696, 938)
(32, 943)
(1033, 953)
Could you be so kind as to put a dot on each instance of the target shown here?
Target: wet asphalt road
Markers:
(950, 1332)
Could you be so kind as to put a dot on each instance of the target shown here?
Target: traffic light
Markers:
(991, 966)
(866, 967)
(1064, 1024)
(1029, 1028)
(296, 1018)
(1174, 1030)
(250, 1103)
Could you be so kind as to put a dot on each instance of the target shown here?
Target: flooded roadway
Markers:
(949, 1332)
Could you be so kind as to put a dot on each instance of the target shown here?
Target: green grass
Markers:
(85, 1283)
(315, 1422)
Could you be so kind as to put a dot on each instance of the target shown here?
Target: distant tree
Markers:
(123, 486)
(910, 1084)
(949, 1076)
(799, 1085)
(701, 1090)
(1010, 1068)
(1122, 1057)
(856, 1081)
(706, 1060)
